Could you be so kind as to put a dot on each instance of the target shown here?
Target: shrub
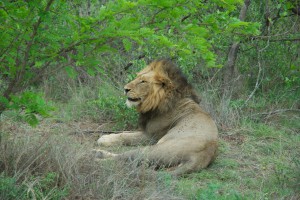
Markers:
(112, 103)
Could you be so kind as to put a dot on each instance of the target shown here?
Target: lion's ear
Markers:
(163, 81)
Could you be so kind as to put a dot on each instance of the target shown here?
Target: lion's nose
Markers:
(126, 90)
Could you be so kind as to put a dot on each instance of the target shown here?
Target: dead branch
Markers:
(268, 114)
(94, 131)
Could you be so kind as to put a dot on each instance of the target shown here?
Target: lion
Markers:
(182, 136)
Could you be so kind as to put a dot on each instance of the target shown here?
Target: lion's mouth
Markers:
(134, 99)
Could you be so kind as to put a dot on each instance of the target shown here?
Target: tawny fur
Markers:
(182, 134)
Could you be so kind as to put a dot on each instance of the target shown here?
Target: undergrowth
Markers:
(112, 102)
(105, 104)
(47, 163)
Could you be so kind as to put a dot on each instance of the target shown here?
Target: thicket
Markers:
(70, 59)
(254, 50)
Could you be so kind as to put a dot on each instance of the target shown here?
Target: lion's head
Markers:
(158, 87)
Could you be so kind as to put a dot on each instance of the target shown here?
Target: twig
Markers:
(152, 21)
(94, 131)
(185, 17)
(131, 63)
(267, 115)
(277, 111)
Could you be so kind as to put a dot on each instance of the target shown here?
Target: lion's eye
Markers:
(142, 81)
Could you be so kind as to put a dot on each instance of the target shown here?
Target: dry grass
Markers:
(226, 116)
(30, 154)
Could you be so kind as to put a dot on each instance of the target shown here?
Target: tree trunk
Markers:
(229, 68)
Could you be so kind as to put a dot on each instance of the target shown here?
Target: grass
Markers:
(264, 165)
(258, 157)
(52, 162)
(256, 161)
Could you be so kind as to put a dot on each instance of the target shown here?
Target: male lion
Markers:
(184, 136)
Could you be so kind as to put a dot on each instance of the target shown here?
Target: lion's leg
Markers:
(153, 155)
(102, 154)
(170, 153)
(197, 161)
(124, 138)
(157, 155)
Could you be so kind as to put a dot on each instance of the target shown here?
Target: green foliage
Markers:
(9, 189)
(41, 37)
(113, 105)
(29, 104)
(47, 186)
(34, 188)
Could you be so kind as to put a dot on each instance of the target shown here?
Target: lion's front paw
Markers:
(110, 140)
(101, 154)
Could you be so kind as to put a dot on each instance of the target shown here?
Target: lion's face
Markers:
(147, 90)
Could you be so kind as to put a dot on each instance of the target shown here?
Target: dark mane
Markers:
(182, 87)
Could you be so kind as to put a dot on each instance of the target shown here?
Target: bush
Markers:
(29, 105)
(112, 103)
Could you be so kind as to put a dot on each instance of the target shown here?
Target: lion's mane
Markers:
(175, 88)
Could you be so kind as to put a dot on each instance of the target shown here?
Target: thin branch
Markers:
(131, 63)
(29, 45)
(285, 39)
(4, 50)
(276, 111)
(41, 72)
(258, 81)
(94, 131)
(152, 21)
(185, 17)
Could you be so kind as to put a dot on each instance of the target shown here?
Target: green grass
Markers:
(36, 187)
(264, 166)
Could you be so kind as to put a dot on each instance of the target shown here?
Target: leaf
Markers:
(31, 119)
(91, 71)
(71, 72)
(127, 44)
(38, 64)
(4, 101)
